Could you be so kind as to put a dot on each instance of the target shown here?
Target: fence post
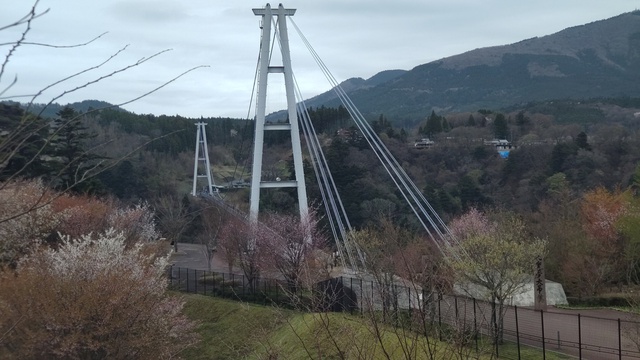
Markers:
(358, 303)
(455, 304)
(544, 350)
(475, 324)
(362, 296)
(395, 301)
(579, 338)
(373, 306)
(515, 309)
(619, 341)
(358, 300)
(171, 275)
(439, 318)
(188, 280)
(195, 281)
(178, 279)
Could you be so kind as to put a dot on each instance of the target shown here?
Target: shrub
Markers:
(26, 219)
(91, 299)
(599, 301)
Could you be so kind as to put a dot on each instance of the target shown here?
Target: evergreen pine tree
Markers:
(471, 121)
(582, 141)
(22, 154)
(434, 124)
(500, 127)
(74, 161)
(445, 124)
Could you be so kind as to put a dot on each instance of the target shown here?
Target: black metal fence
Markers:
(578, 335)
(575, 334)
(232, 286)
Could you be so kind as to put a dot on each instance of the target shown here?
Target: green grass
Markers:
(228, 328)
(235, 330)
(510, 351)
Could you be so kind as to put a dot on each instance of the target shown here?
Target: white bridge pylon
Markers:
(264, 70)
(202, 158)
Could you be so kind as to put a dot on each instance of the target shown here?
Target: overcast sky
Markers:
(355, 38)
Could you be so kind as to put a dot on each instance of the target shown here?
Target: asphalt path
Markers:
(601, 335)
(194, 256)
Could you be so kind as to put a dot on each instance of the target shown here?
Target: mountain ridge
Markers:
(598, 59)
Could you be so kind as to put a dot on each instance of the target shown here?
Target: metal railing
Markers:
(575, 334)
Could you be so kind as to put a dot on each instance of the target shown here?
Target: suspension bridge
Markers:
(274, 31)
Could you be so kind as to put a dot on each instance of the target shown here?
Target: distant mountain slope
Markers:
(50, 111)
(599, 59)
(349, 86)
(354, 84)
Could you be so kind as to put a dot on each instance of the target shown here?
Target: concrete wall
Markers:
(525, 297)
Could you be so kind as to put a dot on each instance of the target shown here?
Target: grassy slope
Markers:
(233, 330)
(229, 329)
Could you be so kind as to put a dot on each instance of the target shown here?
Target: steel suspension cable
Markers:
(393, 168)
(326, 181)
(336, 214)
(246, 126)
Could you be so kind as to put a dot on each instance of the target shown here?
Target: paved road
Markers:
(194, 256)
(599, 335)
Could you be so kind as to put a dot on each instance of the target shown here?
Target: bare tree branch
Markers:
(30, 16)
(58, 46)
(27, 19)
(15, 80)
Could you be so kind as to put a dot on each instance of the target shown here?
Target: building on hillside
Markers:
(423, 143)
(349, 135)
(502, 146)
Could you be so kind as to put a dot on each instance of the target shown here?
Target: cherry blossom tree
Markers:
(137, 223)
(83, 214)
(239, 246)
(212, 217)
(598, 259)
(92, 298)
(495, 256)
(292, 246)
(21, 234)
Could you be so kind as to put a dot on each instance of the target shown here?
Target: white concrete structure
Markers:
(264, 69)
(202, 158)
(524, 297)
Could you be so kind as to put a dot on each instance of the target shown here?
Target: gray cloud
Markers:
(355, 38)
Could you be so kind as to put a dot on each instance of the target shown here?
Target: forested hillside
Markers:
(561, 151)
(529, 152)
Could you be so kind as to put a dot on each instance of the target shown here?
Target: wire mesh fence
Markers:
(232, 286)
(553, 331)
